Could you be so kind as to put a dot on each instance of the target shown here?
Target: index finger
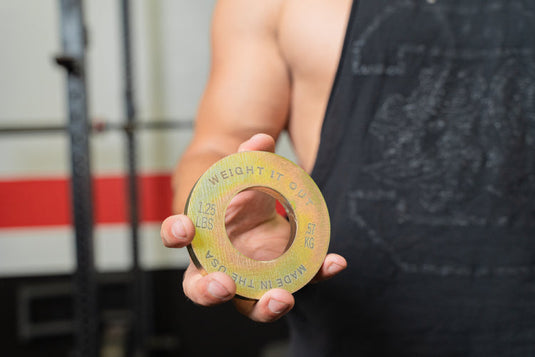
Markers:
(177, 231)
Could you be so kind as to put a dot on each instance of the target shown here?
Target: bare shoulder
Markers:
(252, 17)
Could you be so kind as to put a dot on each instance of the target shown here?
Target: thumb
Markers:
(258, 142)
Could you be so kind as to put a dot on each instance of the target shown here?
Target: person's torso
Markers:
(427, 163)
(310, 36)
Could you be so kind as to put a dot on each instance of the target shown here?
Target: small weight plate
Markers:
(211, 249)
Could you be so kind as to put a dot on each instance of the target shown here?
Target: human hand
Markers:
(257, 231)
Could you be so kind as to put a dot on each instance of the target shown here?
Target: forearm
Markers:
(191, 166)
(205, 151)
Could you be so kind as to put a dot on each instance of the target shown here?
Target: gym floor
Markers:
(178, 327)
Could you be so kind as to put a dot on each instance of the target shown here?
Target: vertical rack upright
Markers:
(138, 285)
(74, 41)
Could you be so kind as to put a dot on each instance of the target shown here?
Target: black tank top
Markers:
(427, 164)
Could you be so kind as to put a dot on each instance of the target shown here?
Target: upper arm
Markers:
(248, 90)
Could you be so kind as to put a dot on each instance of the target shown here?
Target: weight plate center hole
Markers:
(257, 226)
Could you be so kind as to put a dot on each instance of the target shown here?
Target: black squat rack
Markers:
(87, 327)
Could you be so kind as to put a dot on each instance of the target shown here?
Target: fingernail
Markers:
(334, 268)
(218, 290)
(178, 229)
(276, 306)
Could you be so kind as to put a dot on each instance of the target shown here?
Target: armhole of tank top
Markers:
(331, 128)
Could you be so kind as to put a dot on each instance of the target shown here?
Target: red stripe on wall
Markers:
(47, 202)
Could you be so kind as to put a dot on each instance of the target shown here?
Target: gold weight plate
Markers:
(211, 249)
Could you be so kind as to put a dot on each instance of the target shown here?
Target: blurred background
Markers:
(102, 284)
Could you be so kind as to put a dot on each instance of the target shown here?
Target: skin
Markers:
(273, 65)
